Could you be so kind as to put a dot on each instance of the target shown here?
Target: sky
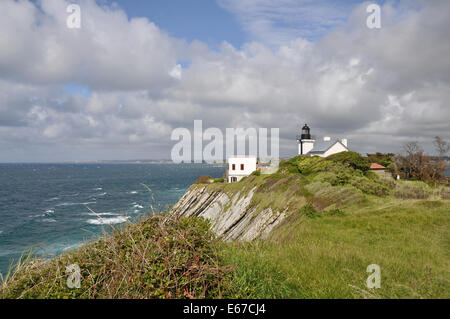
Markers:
(135, 70)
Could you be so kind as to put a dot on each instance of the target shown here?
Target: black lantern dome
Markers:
(306, 135)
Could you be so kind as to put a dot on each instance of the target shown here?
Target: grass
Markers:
(327, 256)
(160, 257)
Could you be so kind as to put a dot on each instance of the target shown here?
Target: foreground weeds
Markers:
(163, 256)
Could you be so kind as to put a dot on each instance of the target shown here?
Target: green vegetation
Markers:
(256, 173)
(380, 158)
(326, 256)
(350, 218)
(342, 218)
(160, 257)
(205, 179)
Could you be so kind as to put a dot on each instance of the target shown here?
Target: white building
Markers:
(308, 146)
(240, 166)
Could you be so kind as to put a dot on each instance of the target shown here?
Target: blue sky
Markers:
(202, 20)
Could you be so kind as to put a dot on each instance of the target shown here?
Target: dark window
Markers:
(242, 167)
(233, 167)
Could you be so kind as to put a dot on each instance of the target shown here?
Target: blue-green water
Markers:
(45, 206)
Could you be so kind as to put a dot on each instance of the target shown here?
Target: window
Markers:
(233, 167)
(242, 167)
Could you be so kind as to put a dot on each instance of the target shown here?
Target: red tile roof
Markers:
(376, 166)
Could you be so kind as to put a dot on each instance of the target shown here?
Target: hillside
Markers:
(308, 231)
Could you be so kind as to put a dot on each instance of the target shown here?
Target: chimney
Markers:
(344, 141)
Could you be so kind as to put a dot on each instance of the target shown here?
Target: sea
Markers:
(53, 208)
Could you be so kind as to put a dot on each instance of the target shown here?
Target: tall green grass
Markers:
(327, 256)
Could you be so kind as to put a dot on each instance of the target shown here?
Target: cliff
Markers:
(232, 216)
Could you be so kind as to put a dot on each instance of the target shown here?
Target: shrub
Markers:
(351, 159)
(219, 180)
(309, 211)
(205, 179)
(256, 173)
(372, 187)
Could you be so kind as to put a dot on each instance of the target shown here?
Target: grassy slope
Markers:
(342, 219)
(324, 253)
(327, 256)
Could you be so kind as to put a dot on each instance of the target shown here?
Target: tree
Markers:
(414, 164)
(442, 146)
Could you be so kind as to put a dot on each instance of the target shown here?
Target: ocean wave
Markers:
(52, 199)
(70, 195)
(132, 192)
(138, 206)
(98, 189)
(102, 214)
(38, 215)
(72, 204)
(108, 221)
(49, 220)
(49, 211)
(72, 246)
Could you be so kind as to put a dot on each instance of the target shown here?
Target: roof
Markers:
(376, 166)
(323, 146)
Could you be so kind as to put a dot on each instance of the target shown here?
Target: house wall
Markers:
(249, 167)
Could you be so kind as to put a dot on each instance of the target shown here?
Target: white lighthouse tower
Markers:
(305, 142)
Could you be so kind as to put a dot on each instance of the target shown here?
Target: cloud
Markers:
(277, 22)
(379, 88)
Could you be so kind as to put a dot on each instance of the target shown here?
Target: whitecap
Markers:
(49, 220)
(138, 206)
(52, 199)
(72, 246)
(38, 215)
(71, 195)
(98, 189)
(132, 192)
(49, 211)
(108, 221)
(72, 204)
(102, 214)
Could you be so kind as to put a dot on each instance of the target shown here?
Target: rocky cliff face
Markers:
(232, 216)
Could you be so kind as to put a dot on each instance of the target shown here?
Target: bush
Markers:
(351, 159)
(205, 179)
(309, 211)
(219, 180)
(372, 187)
(256, 173)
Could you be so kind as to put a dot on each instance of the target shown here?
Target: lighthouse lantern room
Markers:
(305, 142)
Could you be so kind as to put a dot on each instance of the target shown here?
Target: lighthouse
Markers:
(305, 142)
